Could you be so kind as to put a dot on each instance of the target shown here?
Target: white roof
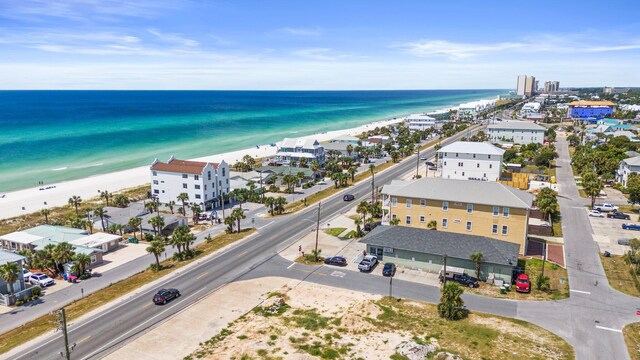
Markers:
(299, 142)
(634, 161)
(96, 239)
(296, 154)
(516, 125)
(7, 257)
(21, 237)
(470, 147)
(415, 117)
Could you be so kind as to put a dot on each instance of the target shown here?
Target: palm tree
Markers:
(238, 214)
(280, 202)
(315, 165)
(45, 213)
(303, 162)
(100, 211)
(184, 197)
(62, 254)
(106, 196)
(363, 208)
(478, 258)
(270, 202)
(432, 225)
(451, 303)
(372, 169)
(157, 223)
(113, 228)
(229, 221)
(170, 205)
(394, 221)
(121, 200)
(75, 202)
(196, 210)
(352, 171)
(349, 149)
(9, 272)
(395, 155)
(182, 235)
(135, 223)
(83, 260)
(156, 248)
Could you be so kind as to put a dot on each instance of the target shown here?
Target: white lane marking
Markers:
(338, 274)
(606, 328)
(264, 226)
(581, 292)
(290, 266)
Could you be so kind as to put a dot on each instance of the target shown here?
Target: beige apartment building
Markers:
(483, 208)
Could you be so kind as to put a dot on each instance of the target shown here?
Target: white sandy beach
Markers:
(33, 199)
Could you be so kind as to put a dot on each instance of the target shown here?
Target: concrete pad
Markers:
(607, 232)
(122, 255)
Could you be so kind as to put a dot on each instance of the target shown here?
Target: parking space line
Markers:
(606, 328)
(580, 292)
(202, 275)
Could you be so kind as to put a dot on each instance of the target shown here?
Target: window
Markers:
(394, 216)
(223, 172)
(184, 186)
(423, 202)
(197, 187)
(408, 220)
(156, 191)
(196, 177)
(394, 202)
(474, 156)
(408, 203)
(490, 166)
(460, 164)
(93, 259)
(496, 210)
(469, 225)
(505, 212)
(489, 157)
(155, 173)
(219, 182)
(209, 175)
(469, 208)
(444, 223)
(478, 165)
(445, 206)
(205, 186)
(456, 154)
(494, 229)
(184, 176)
(421, 218)
(445, 163)
(155, 182)
(197, 196)
(463, 173)
(505, 230)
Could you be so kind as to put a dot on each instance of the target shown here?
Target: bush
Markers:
(36, 291)
(155, 267)
(19, 302)
(148, 237)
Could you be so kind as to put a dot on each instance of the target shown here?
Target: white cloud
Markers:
(300, 31)
(173, 38)
(427, 48)
(323, 54)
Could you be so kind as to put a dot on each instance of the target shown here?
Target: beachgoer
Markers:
(300, 248)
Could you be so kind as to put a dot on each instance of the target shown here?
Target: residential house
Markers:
(121, 216)
(482, 208)
(346, 139)
(519, 132)
(421, 122)
(18, 286)
(203, 182)
(425, 249)
(470, 161)
(530, 108)
(470, 110)
(342, 147)
(627, 167)
(103, 241)
(292, 150)
(171, 222)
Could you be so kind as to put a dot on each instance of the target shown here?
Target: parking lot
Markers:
(606, 233)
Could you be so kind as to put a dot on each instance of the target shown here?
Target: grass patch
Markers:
(620, 276)
(632, 338)
(351, 234)
(335, 231)
(310, 259)
(39, 326)
(582, 193)
(556, 226)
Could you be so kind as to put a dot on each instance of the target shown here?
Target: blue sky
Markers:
(356, 44)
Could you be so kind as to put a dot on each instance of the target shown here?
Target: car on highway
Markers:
(368, 263)
(618, 215)
(523, 284)
(631, 227)
(336, 260)
(605, 207)
(389, 270)
(348, 197)
(41, 280)
(165, 295)
(596, 213)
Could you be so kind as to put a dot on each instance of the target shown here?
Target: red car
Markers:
(523, 284)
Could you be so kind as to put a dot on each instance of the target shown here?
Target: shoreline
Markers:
(30, 200)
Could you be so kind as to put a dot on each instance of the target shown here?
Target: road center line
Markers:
(290, 266)
(83, 340)
(201, 276)
(264, 226)
(606, 328)
(581, 292)
(242, 254)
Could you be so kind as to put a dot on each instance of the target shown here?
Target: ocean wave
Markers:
(60, 169)
(89, 166)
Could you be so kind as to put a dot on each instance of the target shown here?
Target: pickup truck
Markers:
(367, 263)
(631, 227)
(466, 280)
(605, 207)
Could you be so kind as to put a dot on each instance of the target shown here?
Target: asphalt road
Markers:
(112, 328)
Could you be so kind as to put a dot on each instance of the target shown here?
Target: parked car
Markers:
(368, 263)
(348, 197)
(336, 260)
(631, 227)
(618, 215)
(466, 280)
(41, 279)
(389, 270)
(26, 274)
(371, 226)
(165, 295)
(523, 284)
(596, 213)
(605, 207)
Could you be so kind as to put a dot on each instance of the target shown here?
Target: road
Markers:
(113, 327)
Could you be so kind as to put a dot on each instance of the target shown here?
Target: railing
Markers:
(20, 295)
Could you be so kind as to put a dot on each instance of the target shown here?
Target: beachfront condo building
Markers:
(517, 132)
(465, 160)
(551, 86)
(203, 182)
(422, 122)
(526, 85)
(291, 151)
(482, 208)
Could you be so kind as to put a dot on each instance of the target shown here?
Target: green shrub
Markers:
(36, 291)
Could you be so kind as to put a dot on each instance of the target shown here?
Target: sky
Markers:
(316, 44)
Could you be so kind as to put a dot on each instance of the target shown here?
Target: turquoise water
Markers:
(54, 136)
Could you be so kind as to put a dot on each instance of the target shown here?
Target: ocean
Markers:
(54, 136)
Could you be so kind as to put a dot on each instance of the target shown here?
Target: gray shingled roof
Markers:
(7, 257)
(436, 242)
(516, 125)
(465, 191)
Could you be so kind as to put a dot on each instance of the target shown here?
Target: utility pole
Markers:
(222, 202)
(61, 323)
(317, 231)
(261, 189)
(417, 161)
(390, 286)
(544, 256)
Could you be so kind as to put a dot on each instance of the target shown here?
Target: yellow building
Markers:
(483, 208)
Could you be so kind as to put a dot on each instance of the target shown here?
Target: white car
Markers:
(596, 213)
(26, 274)
(41, 279)
(367, 263)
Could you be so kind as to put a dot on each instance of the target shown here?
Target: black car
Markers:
(348, 197)
(618, 215)
(389, 270)
(466, 280)
(371, 226)
(336, 260)
(165, 295)
(429, 163)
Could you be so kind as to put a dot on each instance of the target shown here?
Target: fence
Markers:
(20, 295)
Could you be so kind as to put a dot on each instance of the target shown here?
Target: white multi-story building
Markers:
(470, 110)
(526, 85)
(518, 132)
(203, 182)
(627, 167)
(421, 122)
(530, 108)
(292, 150)
(466, 160)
